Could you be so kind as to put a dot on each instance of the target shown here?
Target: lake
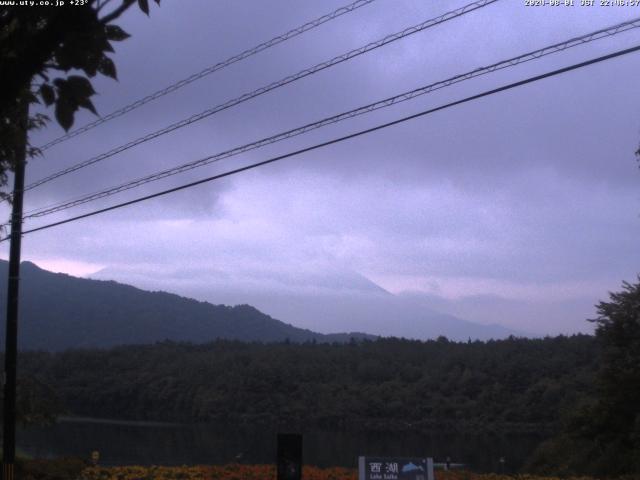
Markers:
(127, 443)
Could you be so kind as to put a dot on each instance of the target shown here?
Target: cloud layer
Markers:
(521, 208)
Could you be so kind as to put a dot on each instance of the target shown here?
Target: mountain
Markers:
(322, 299)
(58, 311)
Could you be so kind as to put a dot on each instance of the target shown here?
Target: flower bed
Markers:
(264, 472)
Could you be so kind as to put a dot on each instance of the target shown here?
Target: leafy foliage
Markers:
(36, 402)
(618, 408)
(514, 385)
(39, 47)
(603, 436)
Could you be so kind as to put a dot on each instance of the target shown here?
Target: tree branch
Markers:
(103, 4)
(117, 12)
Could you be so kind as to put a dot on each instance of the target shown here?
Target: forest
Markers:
(513, 385)
(582, 391)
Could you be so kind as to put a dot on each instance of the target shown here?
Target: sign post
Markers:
(289, 456)
(395, 468)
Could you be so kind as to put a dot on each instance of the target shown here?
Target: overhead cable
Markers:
(209, 70)
(338, 140)
(387, 102)
(272, 86)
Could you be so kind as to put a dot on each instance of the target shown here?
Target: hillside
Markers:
(58, 311)
(324, 300)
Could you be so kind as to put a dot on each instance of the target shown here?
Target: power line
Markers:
(340, 139)
(387, 102)
(209, 70)
(272, 86)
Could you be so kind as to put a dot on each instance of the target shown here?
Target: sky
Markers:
(519, 209)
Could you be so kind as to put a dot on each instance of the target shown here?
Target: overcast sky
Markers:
(521, 208)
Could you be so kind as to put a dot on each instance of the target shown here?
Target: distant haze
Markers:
(335, 303)
(520, 209)
(59, 311)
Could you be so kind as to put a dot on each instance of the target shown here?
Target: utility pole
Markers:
(11, 340)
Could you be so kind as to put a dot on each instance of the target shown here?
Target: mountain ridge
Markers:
(60, 311)
(329, 299)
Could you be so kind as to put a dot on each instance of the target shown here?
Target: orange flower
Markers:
(264, 472)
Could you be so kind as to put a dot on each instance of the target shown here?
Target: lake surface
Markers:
(126, 443)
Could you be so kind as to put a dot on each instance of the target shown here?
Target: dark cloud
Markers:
(517, 195)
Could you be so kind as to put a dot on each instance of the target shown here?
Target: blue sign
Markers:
(395, 468)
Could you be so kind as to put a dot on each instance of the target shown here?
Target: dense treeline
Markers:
(601, 436)
(503, 386)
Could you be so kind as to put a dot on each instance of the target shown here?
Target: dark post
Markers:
(11, 345)
(289, 456)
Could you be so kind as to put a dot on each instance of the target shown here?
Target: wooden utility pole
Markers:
(11, 340)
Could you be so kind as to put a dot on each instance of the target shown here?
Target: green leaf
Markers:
(80, 87)
(73, 92)
(144, 6)
(107, 47)
(62, 59)
(91, 64)
(71, 55)
(88, 104)
(115, 33)
(37, 121)
(31, 97)
(108, 68)
(48, 94)
(64, 113)
(100, 40)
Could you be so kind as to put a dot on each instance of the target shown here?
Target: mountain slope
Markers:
(58, 311)
(324, 300)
